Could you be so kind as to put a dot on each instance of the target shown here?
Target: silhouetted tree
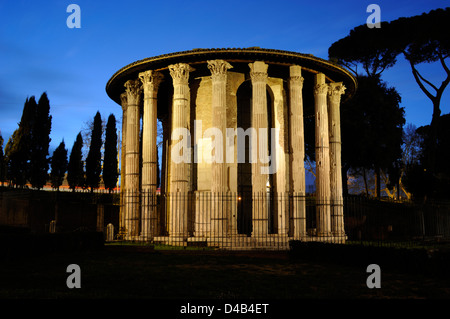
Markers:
(419, 180)
(75, 169)
(110, 162)
(18, 147)
(421, 39)
(371, 127)
(40, 141)
(2, 161)
(93, 160)
(58, 165)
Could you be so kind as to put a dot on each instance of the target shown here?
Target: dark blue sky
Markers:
(38, 52)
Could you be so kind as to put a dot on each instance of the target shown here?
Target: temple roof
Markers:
(278, 60)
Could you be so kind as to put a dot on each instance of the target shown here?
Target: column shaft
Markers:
(337, 208)
(123, 97)
(322, 157)
(258, 75)
(150, 82)
(219, 186)
(297, 145)
(179, 170)
(133, 90)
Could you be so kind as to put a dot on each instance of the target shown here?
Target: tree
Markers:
(40, 141)
(58, 165)
(93, 160)
(364, 47)
(371, 128)
(110, 162)
(75, 169)
(2, 161)
(419, 180)
(17, 150)
(421, 39)
(424, 39)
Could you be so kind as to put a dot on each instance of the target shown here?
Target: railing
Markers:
(268, 220)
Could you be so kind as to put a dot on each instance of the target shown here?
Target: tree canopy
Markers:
(40, 142)
(371, 127)
(75, 168)
(93, 160)
(421, 39)
(17, 150)
(110, 161)
(58, 165)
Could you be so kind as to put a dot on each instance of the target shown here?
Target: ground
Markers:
(123, 272)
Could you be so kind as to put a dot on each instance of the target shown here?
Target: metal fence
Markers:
(386, 222)
(267, 220)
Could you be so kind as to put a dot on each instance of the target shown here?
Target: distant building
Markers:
(233, 145)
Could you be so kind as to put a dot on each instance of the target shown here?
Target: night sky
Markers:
(38, 52)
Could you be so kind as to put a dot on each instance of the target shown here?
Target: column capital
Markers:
(335, 90)
(320, 88)
(133, 89)
(258, 71)
(180, 73)
(218, 69)
(295, 75)
(150, 80)
(296, 80)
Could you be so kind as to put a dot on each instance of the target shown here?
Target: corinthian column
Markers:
(150, 83)
(322, 157)
(123, 98)
(297, 150)
(258, 75)
(179, 169)
(133, 90)
(219, 185)
(337, 209)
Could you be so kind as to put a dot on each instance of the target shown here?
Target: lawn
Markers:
(127, 272)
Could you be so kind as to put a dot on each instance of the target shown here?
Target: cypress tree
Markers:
(93, 160)
(19, 145)
(2, 161)
(40, 141)
(75, 170)
(59, 165)
(110, 171)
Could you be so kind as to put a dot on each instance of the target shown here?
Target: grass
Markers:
(124, 272)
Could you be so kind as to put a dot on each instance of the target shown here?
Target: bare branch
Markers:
(422, 87)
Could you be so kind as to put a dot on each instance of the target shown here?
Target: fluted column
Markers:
(334, 127)
(297, 150)
(322, 157)
(123, 98)
(219, 187)
(150, 83)
(258, 75)
(179, 169)
(133, 91)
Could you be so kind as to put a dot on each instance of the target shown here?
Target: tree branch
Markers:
(441, 58)
(422, 87)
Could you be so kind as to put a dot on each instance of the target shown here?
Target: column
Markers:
(322, 157)
(179, 169)
(150, 83)
(219, 186)
(335, 91)
(123, 98)
(297, 151)
(133, 90)
(258, 75)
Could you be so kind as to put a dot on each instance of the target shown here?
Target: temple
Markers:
(233, 147)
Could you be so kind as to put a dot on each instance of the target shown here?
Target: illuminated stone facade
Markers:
(216, 186)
